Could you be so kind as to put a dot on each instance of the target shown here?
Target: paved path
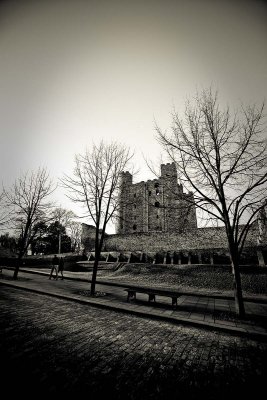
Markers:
(203, 312)
(50, 346)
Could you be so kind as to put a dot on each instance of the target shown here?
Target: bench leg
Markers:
(151, 297)
(174, 302)
(131, 296)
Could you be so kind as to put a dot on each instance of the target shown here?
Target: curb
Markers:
(199, 324)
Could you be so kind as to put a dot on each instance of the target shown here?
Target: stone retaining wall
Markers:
(200, 238)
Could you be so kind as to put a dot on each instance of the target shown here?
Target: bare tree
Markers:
(4, 215)
(26, 201)
(75, 230)
(65, 218)
(95, 185)
(223, 159)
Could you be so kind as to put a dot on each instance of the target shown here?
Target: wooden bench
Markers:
(152, 293)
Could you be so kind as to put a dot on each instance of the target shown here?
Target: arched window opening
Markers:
(157, 204)
(134, 227)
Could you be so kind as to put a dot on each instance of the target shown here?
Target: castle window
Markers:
(157, 216)
(134, 205)
(149, 193)
(134, 227)
(135, 195)
(157, 192)
(156, 185)
(157, 204)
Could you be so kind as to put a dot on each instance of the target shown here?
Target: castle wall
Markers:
(88, 236)
(200, 238)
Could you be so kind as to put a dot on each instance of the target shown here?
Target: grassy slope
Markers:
(202, 278)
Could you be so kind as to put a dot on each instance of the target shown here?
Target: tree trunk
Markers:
(98, 247)
(18, 262)
(239, 303)
(95, 267)
(59, 243)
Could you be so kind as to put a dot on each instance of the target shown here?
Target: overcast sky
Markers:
(75, 71)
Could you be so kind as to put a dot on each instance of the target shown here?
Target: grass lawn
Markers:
(203, 278)
(189, 277)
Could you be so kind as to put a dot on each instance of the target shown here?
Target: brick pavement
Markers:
(212, 313)
(53, 346)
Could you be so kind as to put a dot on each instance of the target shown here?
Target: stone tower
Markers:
(126, 182)
(158, 205)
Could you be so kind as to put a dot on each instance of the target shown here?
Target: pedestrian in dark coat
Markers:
(61, 267)
(54, 267)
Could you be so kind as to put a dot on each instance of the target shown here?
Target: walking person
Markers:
(54, 267)
(61, 267)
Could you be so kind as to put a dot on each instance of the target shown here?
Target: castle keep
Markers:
(158, 224)
(158, 205)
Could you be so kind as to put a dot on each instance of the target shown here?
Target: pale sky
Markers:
(73, 71)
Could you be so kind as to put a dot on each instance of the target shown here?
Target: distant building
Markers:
(262, 224)
(158, 205)
(88, 236)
